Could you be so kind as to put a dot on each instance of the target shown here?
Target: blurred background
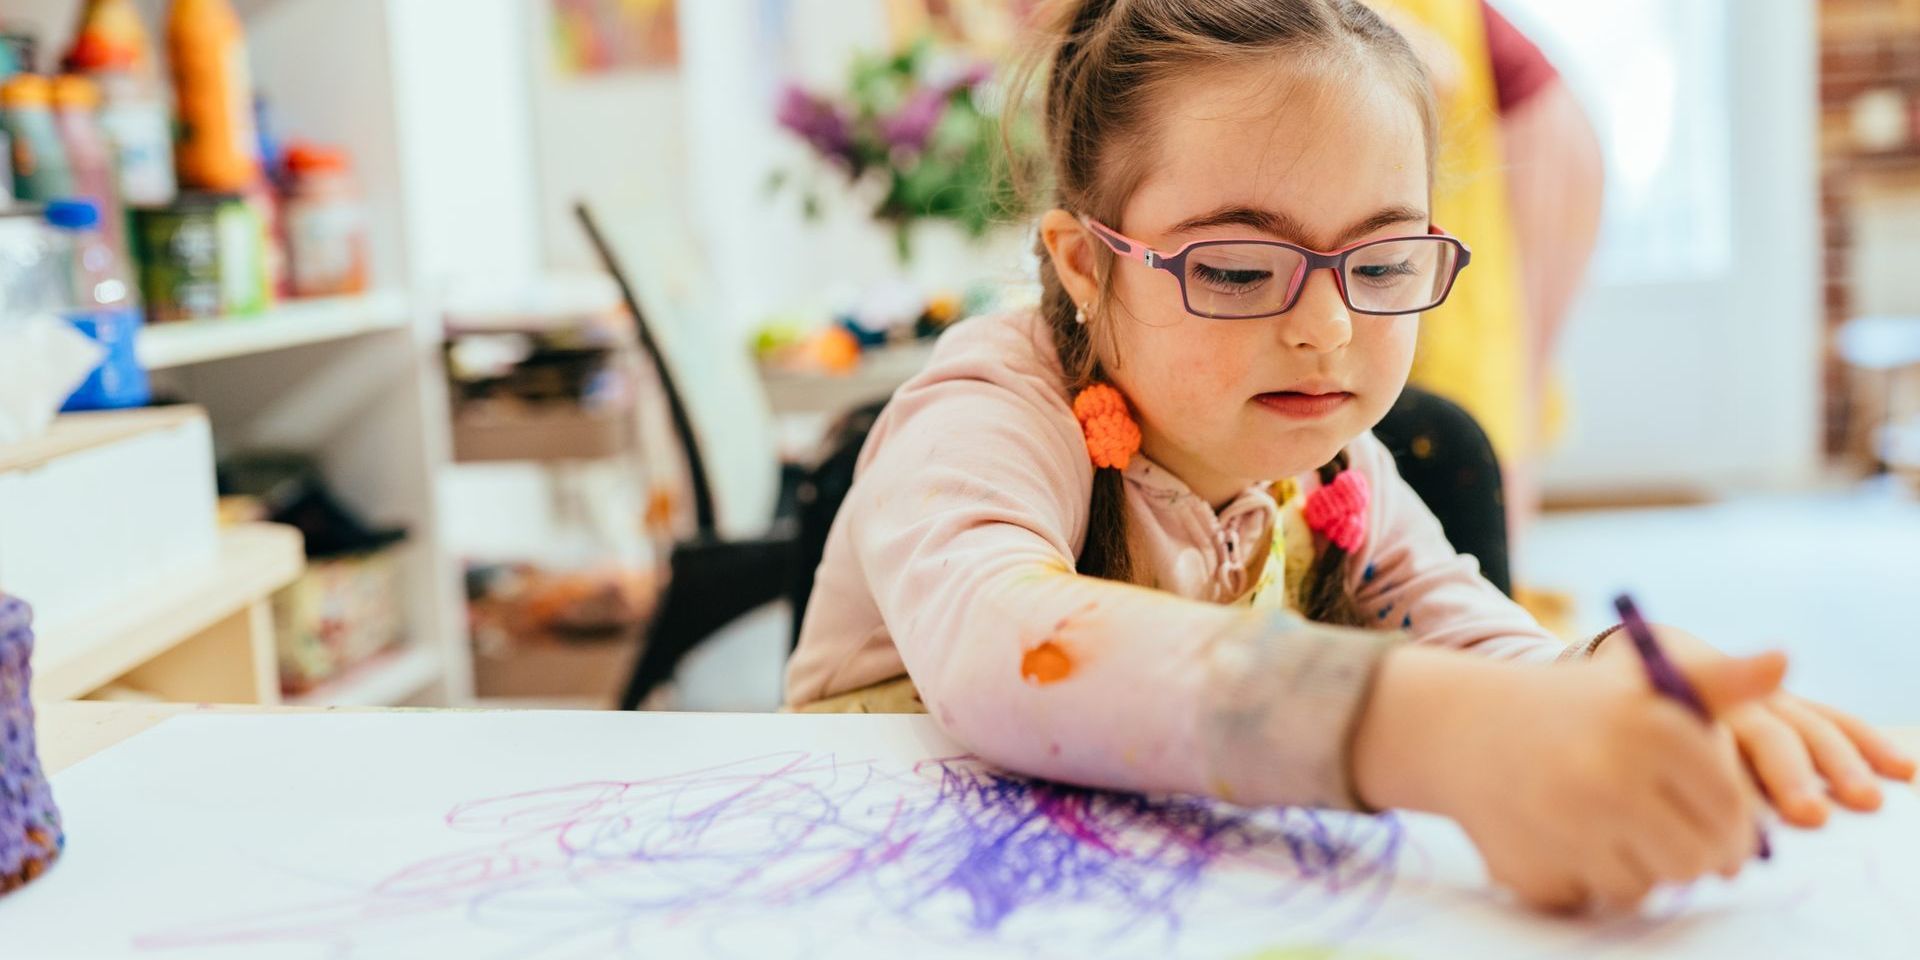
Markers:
(354, 411)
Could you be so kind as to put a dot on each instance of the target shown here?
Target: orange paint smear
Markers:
(1045, 664)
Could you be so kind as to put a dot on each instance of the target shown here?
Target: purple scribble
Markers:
(947, 848)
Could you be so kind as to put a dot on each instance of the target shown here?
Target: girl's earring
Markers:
(1080, 315)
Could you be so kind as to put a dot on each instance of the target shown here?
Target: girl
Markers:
(1142, 538)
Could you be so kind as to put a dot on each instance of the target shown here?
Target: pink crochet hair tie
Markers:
(1338, 510)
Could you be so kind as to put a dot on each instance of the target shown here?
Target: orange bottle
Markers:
(110, 39)
(218, 149)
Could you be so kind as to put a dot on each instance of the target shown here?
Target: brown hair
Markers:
(1107, 62)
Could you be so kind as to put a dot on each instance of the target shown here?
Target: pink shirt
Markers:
(952, 560)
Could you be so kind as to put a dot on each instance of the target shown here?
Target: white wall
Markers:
(1715, 383)
(464, 116)
(616, 137)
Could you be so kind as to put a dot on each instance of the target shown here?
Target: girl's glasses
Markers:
(1246, 279)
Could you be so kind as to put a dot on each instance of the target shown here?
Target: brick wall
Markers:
(1869, 132)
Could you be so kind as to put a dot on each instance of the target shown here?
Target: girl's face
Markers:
(1323, 161)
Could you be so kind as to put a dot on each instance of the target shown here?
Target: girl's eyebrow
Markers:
(1286, 227)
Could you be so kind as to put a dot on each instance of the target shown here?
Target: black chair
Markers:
(821, 491)
(712, 580)
(1447, 459)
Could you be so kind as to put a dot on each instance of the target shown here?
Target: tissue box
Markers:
(103, 505)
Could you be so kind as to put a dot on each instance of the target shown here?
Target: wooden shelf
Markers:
(133, 633)
(389, 679)
(72, 433)
(881, 371)
(291, 324)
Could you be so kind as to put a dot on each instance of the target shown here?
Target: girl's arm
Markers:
(968, 510)
(965, 522)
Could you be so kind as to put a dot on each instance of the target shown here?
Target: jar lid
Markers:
(73, 214)
(26, 90)
(74, 92)
(304, 157)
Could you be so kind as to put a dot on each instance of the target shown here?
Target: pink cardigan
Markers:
(952, 561)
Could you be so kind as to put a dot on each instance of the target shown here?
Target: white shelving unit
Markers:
(430, 99)
(390, 679)
(293, 324)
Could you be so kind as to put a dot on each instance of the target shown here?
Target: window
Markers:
(1653, 76)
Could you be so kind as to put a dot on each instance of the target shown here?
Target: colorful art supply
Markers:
(218, 148)
(112, 49)
(76, 114)
(326, 223)
(110, 37)
(40, 170)
(17, 50)
(100, 304)
(1667, 679)
(30, 834)
(204, 256)
(550, 834)
(140, 130)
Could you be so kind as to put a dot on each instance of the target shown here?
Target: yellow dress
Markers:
(1473, 348)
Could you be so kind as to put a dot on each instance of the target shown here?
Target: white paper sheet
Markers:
(575, 835)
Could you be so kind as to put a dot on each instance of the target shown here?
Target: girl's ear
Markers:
(1071, 248)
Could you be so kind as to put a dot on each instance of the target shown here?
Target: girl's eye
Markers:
(1383, 274)
(1229, 279)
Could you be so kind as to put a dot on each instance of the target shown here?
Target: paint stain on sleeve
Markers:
(1047, 663)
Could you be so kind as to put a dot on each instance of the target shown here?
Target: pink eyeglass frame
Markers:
(1310, 260)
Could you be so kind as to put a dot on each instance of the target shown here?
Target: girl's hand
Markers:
(1579, 784)
(1802, 752)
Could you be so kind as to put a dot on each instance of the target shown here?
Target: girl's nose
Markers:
(1319, 320)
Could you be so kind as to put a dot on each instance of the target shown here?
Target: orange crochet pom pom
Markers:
(1112, 436)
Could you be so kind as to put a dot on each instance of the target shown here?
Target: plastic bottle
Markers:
(100, 305)
(218, 149)
(110, 38)
(40, 171)
(326, 223)
(17, 48)
(112, 48)
(76, 115)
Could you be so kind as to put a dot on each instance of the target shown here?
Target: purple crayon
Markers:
(1667, 679)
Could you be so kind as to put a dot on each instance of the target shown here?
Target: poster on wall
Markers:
(988, 29)
(592, 37)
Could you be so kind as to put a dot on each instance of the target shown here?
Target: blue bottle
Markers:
(100, 305)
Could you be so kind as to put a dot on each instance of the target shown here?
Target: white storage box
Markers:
(103, 505)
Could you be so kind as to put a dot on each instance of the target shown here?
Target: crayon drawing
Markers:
(573, 835)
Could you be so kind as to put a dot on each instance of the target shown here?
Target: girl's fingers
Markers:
(1780, 758)
(1542, 888)
(1671, 844)
(1848, 777)
(1705, 825)
(1715, 793)
(1885, 758)
(1620, 881)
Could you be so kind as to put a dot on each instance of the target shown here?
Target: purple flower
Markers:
(912, 126)
(975, 74)
(818, 122)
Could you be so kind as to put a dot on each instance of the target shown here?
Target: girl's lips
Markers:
(1303, 406)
